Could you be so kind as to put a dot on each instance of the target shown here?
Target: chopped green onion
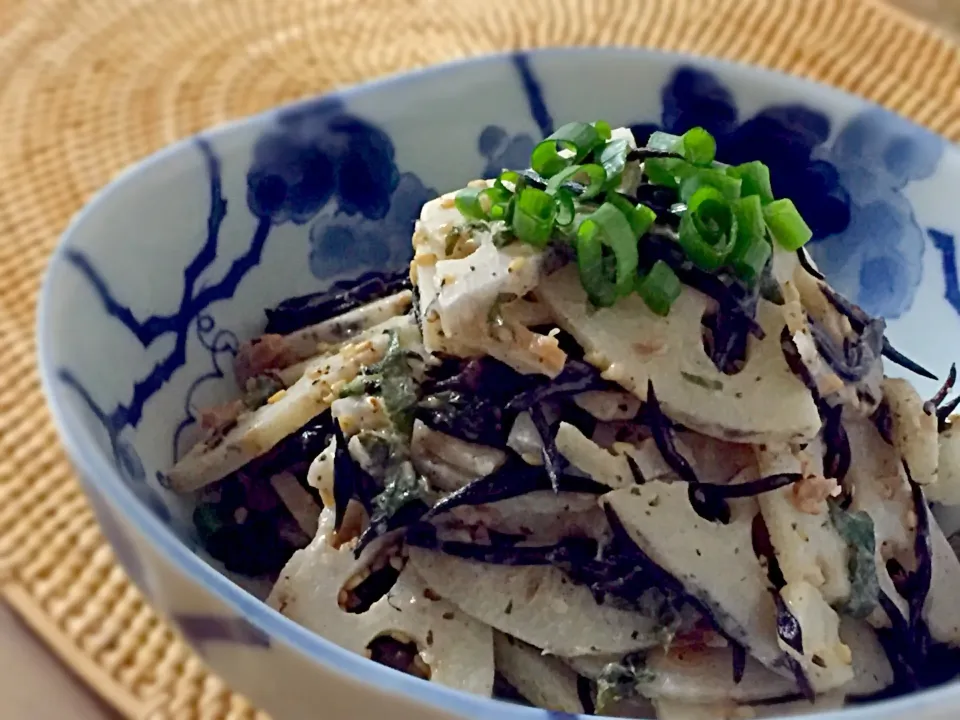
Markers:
(509, 180)
(699, 147)
(786, 225)
(533, 216)
(729, 186)
(755, 177)
(659, 288)
(592, 177)
(468, 203)
(547, 161)
(703, 194)
(752, 250)
(501, 211)
(668, 171)
(707, 235)
(606, 227)
(577, 136)
(576, 139)
(566, 207)
(665, 142)
(494, 195)
(603, 129)
(640, 217)
(613, 157)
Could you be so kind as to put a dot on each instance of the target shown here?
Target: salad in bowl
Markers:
(611, 444)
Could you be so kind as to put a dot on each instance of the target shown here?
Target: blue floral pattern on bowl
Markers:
(866, 238)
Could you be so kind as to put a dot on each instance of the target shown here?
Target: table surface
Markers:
(42, 687)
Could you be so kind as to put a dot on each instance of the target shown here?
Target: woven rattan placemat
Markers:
(88, 86)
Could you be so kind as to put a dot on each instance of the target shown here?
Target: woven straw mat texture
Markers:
(89, 86)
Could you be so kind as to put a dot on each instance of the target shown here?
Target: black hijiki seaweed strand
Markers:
(752, 488)
(586, 694)
(900, 645)
(852, 360)
(553, 461)
(936, 405)
(792, 356)
(922, 577)
(576, 377)
(407, 515)
(739, 661)
(643, 154)
(807, 265)
(350, 481)
(836, 451)
(918, 661)
(635, 470)
(513, 479)
(661, 430)
(883, 421)
(895, 356)
(937, 400)
(803, 682)
(944, 412)
(299, 312)
(859, 319)
(256, 546)
(425, 535)
(708, 499)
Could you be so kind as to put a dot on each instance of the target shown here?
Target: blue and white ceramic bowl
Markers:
(158, 279)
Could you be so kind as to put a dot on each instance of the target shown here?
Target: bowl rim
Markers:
(96, 469)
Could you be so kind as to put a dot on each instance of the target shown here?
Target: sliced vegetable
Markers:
(714, 563)
(665, 142)
(592, 177)
(457, 649)
(668, 171)
(543, 680)
(567, 146)
(707, 234)
(755, 179)
(613, 158)
(603, 280)
(534, 216)
(699, 147)
(632, 346)
(659, 288)
(786, 225)
(728, 187)
(566, 208)
(468, 203)
(537, 604)
(752, 251)
(640, 217)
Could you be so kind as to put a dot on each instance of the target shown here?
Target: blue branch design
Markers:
(192, 304)
(946, 245)
(534, 93)
(217, 343)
